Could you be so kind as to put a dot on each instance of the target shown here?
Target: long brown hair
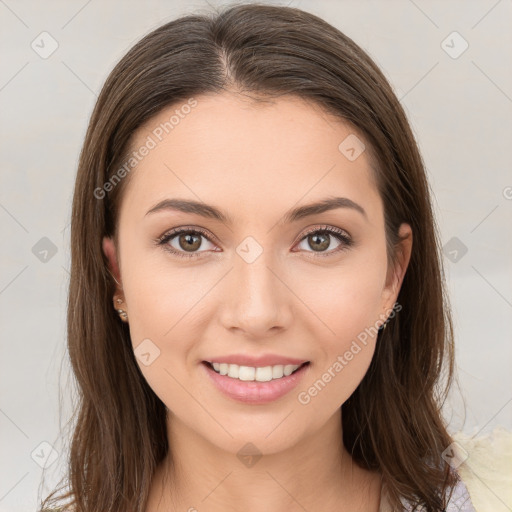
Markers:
(392, 423)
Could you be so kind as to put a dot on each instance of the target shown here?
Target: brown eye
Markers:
(189, 242)
(184, 242)
(320, 239)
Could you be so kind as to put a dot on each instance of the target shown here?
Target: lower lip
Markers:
(255, 392)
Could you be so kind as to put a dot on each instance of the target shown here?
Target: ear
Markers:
(395, 275)
(109, 249)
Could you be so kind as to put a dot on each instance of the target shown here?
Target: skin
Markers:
(255, 162)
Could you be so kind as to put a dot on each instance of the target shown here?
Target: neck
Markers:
(316, 474)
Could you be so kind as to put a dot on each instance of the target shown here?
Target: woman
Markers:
(257, 318)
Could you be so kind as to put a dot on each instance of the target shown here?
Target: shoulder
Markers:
(460, 500)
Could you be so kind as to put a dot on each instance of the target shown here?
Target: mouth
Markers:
(255, 385)
(256, 374)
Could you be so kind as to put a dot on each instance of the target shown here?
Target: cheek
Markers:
(346, 306)
(346, 302)
(172, 307)
(166, 307)
(162, 292)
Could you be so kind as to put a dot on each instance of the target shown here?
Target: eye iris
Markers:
(319, 236)
(188, 243)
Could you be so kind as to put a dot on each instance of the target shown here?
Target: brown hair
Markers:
(392, 423)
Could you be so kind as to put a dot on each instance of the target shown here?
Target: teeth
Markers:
(249, 373)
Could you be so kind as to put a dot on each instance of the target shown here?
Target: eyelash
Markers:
(346, 241)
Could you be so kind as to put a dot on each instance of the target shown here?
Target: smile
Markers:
(255, 385)
(251, 373)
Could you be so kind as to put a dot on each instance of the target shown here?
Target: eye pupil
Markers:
(321, 244)
(189, 244)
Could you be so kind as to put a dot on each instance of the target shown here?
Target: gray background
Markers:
(459, 105)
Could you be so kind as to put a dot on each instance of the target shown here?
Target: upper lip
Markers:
(256, 361)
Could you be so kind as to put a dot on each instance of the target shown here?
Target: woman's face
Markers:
(258, 278)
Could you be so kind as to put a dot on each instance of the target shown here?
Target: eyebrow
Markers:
(293, 215)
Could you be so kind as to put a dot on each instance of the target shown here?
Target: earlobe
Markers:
(109, 250)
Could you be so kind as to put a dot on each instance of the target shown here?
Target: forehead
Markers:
(230, 150)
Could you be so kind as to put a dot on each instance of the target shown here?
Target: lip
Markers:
(254, 392)
(256, 362)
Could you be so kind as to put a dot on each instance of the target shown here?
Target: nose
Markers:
(257, 301)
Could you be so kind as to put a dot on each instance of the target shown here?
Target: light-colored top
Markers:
(460, 501)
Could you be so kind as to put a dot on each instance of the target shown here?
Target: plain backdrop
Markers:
(449, 62)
